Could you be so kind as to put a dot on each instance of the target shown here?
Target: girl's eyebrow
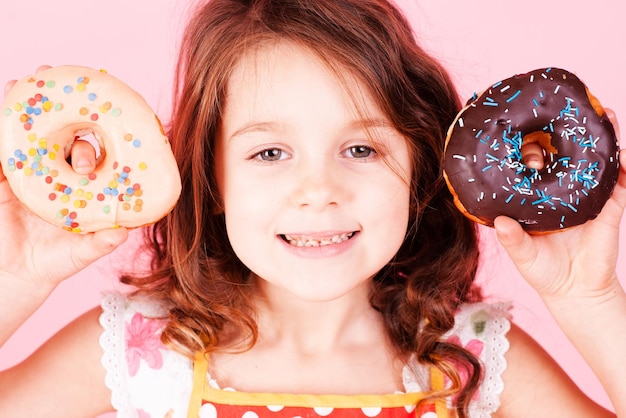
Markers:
(253, 127)
(371, 123)
(381, 124)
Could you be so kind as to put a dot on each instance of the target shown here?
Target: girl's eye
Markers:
(360, 151)
(271, 155)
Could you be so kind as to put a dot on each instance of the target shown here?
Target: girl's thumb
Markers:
(517, 243)
(101, 243)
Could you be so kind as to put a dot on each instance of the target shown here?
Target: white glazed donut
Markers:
(136, 181)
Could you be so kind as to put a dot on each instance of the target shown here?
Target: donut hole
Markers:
(88, 140)
(536, 146)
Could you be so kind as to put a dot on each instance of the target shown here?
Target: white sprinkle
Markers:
(471, 180)
(557, 89)
(461, 122)
(505, 88)
(535, 112)
(458, 157)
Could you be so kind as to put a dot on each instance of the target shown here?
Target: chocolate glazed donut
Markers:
(483, 163)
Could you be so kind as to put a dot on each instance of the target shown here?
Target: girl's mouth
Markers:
(307, 241)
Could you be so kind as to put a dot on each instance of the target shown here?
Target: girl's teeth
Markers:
(304, 241)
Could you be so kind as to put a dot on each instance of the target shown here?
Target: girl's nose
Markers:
(316, 187)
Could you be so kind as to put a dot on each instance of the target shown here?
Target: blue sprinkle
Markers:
(493, 104)
(92, 96)
(37, 111)
(479, 133)
(136, 143)
(68, 190)
(508, 199)
(67, 89)
(510, 99)
(497, 84)
(542, 200)
(486, 168)
(535, 102)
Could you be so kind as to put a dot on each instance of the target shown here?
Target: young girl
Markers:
(315, 264)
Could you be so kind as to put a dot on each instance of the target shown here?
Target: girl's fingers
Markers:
(613, 118)
(517, 243)
(83, 157)
(102, 243)
(8, 86)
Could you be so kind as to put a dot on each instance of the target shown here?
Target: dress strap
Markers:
(200, 370)
(437, 382)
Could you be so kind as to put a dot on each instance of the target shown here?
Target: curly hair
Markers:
(194, 269)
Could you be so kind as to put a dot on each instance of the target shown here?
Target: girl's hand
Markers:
(39, 253)
(578, 262)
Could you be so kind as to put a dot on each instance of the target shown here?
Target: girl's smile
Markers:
(316, 241)
(319, 245)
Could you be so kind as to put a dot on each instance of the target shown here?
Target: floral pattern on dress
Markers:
(143, 341)
(475, 347)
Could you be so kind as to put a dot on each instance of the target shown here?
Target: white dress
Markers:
(148, 380)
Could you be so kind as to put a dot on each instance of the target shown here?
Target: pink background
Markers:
(480, 42)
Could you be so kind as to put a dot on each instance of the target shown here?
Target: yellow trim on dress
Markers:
(201, 391)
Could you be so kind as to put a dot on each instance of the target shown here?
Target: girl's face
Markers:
(310, 206)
